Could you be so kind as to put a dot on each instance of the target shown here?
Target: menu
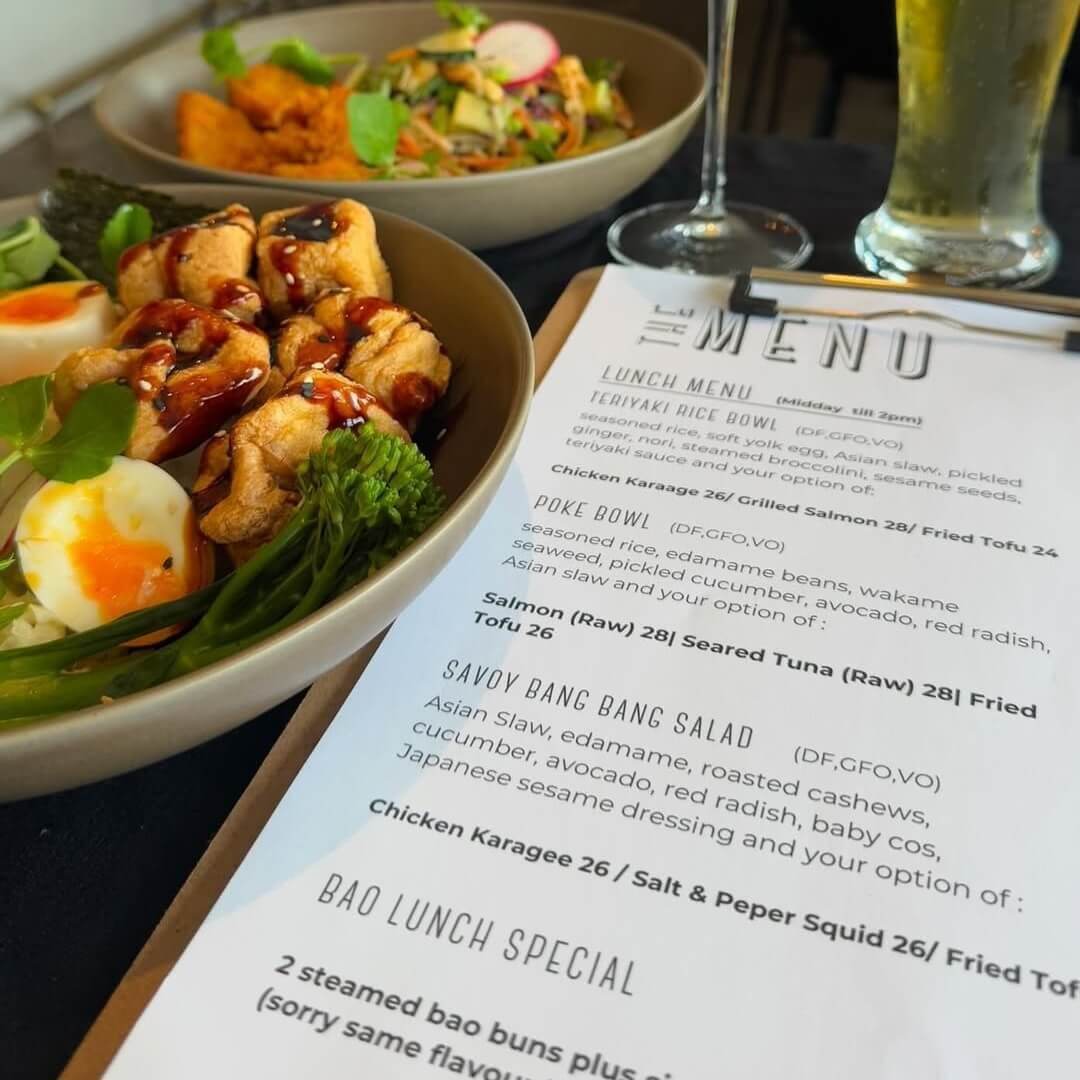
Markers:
(740, 739)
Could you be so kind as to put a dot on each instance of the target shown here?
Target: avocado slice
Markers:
(472, 113)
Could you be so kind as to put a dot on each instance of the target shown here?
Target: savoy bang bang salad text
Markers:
(265, 357)
(476, 97)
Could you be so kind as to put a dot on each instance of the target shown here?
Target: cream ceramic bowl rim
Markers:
(479, 180)
(118, 716)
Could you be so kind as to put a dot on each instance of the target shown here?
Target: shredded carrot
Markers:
(483, 163)
(513, 147)
(575, 136)
(407, 146)
(409, 52)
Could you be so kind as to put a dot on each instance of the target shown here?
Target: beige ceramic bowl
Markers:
(485, 333)
(664, 84)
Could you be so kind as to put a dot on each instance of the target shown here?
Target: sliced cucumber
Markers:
(451, 45)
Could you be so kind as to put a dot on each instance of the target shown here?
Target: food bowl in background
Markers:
(486, 335)
(664, 84)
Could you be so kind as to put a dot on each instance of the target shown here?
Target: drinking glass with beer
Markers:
(977, 85)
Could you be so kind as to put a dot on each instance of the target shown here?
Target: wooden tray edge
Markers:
(269, 784)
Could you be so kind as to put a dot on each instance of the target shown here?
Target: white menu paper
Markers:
(740, 740)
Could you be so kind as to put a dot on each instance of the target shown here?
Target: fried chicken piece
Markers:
(305, 250)
(322, 135)
(211, 133)
(191, 370)
(269, 95)
(327, 169)
(206, 262)
(246, 487)
(389, 350)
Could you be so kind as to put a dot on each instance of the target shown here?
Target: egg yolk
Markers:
(120, 574)
(39, 305)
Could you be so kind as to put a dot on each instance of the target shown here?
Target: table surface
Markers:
(86, 875)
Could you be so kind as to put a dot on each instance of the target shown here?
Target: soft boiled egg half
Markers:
(39, 326)
(121, 541)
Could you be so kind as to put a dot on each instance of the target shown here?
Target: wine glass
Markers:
(709, 236)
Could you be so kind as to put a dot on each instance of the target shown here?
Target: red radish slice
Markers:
(523, 48)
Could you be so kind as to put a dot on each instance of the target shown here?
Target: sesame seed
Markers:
(142, 384)
(290, 279)
(288, 249)
(168, 563)
(319, 365)
(317, 222)
(220, 434)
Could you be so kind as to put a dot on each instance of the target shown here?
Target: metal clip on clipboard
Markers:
(742, 302)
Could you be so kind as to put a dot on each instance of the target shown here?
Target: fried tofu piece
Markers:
(269, 95)
(211, 133)
(389, 350)
(246, 487)
(206, 262)
(306, 250)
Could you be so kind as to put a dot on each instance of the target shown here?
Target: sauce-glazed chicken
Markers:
(207, 263)
(246, 487)
(389, 350)
(343, 355)
(307, 249)
(191, 370)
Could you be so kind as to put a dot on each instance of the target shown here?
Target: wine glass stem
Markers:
(710, 204)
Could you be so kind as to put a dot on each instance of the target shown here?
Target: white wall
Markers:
(44, 42)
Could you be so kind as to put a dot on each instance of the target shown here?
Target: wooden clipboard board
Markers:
(226, 851)
(321, 703)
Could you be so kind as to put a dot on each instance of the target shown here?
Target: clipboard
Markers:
(323, 700)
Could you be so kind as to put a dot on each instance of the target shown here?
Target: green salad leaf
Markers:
(220, 51)
(374, 123)
(297, 55)
(23, 405)
(601, 68)
(95, 430)
(130, 224)
(27, 252)
(466, 15)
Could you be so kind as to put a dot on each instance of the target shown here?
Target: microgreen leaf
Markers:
(93, 433)
(220, 51)
(374, 123)
(7, 562)
(26, 253)
(23, 405)
(130, 224)
(297, 55)
(466, 15)
(602, 68)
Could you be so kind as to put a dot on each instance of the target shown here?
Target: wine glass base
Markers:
(1019, 257)
(667, 237)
